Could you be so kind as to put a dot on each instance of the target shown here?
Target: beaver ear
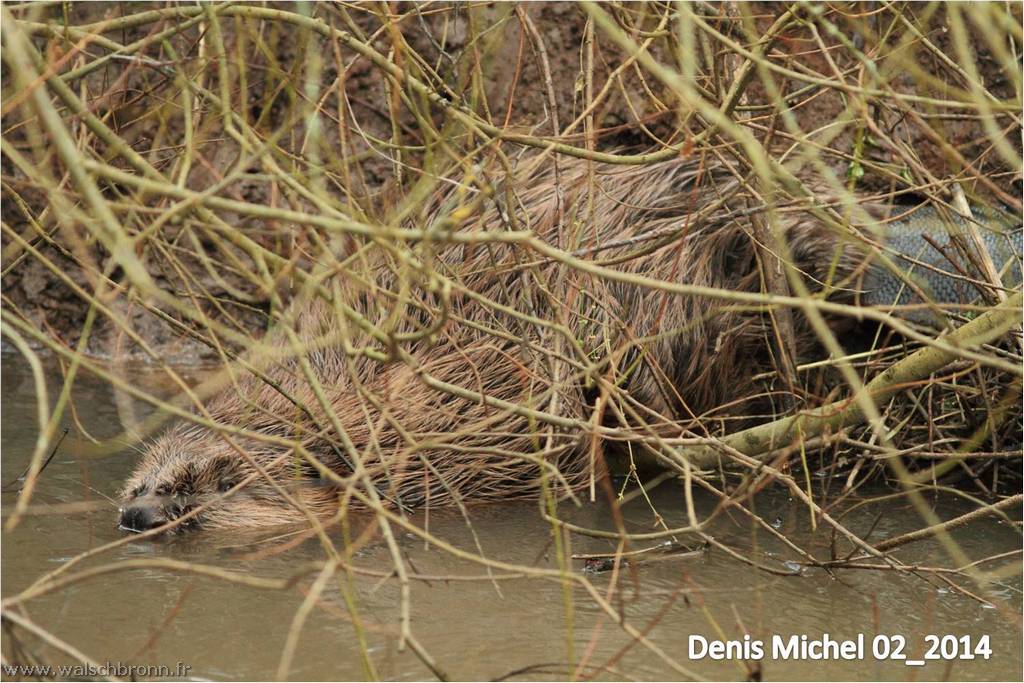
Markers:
(217, 467)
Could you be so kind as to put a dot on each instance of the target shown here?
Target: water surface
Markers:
(474, 628)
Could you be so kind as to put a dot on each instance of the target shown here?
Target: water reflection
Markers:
(475, 626)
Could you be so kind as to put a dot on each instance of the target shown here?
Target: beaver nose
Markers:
(140, 518)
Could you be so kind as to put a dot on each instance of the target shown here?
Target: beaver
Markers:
(499, 364)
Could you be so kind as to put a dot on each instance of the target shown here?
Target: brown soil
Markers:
(131, 98)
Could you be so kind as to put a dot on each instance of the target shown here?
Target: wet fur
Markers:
(678, 358)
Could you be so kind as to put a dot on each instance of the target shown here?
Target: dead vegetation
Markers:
(475, 200)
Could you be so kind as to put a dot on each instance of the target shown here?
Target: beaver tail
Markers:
(932, 258)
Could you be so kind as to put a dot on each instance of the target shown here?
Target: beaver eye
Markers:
(163, 490)
(138, 491)
(225, 485)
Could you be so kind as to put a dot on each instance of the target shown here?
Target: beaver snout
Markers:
(139, 518)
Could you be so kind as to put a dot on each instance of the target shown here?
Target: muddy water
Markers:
(473, 628)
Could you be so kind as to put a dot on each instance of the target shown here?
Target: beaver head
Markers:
(190, 467)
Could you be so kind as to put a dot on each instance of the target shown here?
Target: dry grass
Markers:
(179, 179)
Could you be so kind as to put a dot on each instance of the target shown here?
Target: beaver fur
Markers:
(494, 381)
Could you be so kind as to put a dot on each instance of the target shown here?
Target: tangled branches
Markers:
(448, 253)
